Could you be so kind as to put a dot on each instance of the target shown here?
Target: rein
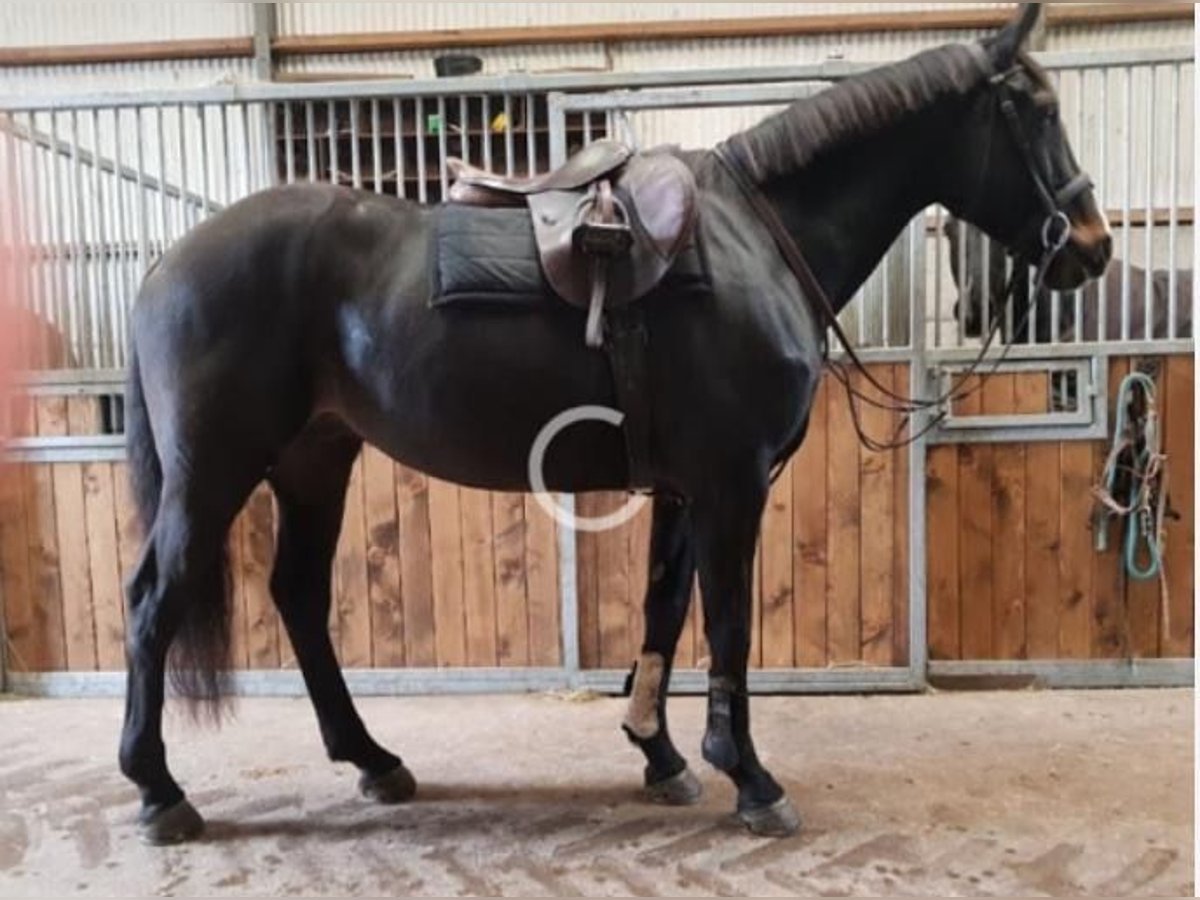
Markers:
(1054, 234)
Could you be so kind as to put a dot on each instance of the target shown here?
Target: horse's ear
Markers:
(1008, 42)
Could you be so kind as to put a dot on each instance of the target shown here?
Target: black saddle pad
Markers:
(488, 258)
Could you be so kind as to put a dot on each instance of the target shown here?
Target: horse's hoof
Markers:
(681, 789)
(395, 786)
(172, 825)
(780, 819)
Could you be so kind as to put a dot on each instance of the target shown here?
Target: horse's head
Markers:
(1019, 180)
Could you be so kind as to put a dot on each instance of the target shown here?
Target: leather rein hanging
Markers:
(1055, 231)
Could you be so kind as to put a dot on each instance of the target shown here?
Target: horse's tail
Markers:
(200, 652)
(145, 469)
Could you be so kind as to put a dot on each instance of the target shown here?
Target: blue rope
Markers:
(1142, 510)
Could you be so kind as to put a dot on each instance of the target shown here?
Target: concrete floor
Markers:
(953, 794)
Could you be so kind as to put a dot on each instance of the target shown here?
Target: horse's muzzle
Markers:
(1081, 260)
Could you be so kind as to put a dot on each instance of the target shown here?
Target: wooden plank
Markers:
(587, 583)
(614, 586)
(756, 594)
(685, 649)
(810, 559)
(1007, 525)
(541, 579)
(49, 652)
(239, 653)
(512, 606)
(700, 636)
(258, 552)
(876, 496)
(976, 572)
(353, 598)
(60, 416)
(941, 552)
(639, 574)
(1109, 631)
(1011, 393)
(383, 558)
(778, 595)
(416, 567)
(900, 593)
(1075, 555)
(105, 564)
(843, 622)
(1178, 419)
(16, 580)
(479, 577)
(1043, 489)
(445, 537)
(130, 51)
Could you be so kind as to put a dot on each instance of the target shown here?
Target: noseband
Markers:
(1055, 231)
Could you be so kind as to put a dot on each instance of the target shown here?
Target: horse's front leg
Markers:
(668, 592)
(725, 523)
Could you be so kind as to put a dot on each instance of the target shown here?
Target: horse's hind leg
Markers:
(178, 590)
(672, 567)
(310, 485)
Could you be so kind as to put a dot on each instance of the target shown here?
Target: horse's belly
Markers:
(465, 398)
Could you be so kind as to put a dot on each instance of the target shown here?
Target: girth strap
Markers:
(626, 344)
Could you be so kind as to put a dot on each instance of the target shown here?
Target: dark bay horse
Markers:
(973, 253)
(278, 336)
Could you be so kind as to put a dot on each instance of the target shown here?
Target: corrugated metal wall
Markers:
(25, 23)
(28, 23)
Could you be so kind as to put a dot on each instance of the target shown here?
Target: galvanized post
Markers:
(918, 652)
(265, 27)
(398, 146)
(568, 577)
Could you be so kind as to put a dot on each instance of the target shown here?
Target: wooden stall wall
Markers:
(831, 573)
(69, 537)
(1012, 568)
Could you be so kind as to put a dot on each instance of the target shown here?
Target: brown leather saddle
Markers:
(609, 222)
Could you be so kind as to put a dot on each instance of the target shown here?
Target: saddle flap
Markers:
(658, 192)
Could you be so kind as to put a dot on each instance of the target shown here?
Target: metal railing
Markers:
(102, 183)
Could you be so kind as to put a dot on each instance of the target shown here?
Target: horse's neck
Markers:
(846, 208)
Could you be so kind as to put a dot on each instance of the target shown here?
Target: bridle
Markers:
(1053, 200)
(1051, 227)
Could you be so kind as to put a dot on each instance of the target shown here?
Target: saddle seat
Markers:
(479, 187)
(608, 223)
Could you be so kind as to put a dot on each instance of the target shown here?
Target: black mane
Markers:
(857, 107)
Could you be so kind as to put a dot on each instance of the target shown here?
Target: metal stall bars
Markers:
(1130, 117)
